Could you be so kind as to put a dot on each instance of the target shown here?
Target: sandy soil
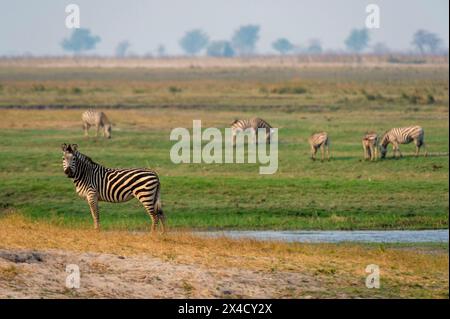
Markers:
(42, 274)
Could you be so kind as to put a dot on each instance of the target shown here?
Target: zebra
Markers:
(402, 135)
(322, 141)
(370, 146)
(99, 120)
(95, 183)
(238, 126)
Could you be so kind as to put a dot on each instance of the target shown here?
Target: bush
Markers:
(77, 90)
(372, 97)
(174, 89)
(38, 88)
(289, 90)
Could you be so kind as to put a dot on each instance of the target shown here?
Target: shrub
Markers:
(38, 88)
(289, 90)
(77, 90)
(174, 89)
(430, 99)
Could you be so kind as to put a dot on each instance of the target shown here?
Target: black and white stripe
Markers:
(97, 183)
(319, 140)
(253, 124)
(402, 135)
(370, 146)
(97, 119)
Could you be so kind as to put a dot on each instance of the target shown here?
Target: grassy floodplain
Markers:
(41, 107)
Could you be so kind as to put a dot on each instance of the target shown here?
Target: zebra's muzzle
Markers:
(68, 172)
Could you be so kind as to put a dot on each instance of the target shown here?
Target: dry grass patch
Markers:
(405, 272)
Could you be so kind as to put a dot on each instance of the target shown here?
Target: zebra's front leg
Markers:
(86, 130)
(371, 154)
(365, 152)
(328, 152)
(92, 200)
(395, 150)
(313, 153)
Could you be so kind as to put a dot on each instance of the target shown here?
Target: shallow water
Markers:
(335, 236)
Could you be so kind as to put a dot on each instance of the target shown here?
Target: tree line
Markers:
(244, 39)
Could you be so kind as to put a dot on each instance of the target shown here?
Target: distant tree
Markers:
(380, 48)
(244, 39)
(283, 45)
(426, 41)
(80, 40)
(194, 41)
(314, 47)
(358, 40)
(220, 49)
(121, 48)
(161, 50)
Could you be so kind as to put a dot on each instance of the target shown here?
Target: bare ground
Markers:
(42, 274)
(122, 264)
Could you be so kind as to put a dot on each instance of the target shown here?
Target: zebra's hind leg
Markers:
(328, 152)
(425, 150)
(322, 153)
(155, 217)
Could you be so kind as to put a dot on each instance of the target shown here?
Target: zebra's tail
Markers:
(159, 211)
(157, 204)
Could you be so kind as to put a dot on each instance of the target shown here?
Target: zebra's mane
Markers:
(384, 137)
(84, 158)
(105, 119)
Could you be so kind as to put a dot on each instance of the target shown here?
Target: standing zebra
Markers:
(254, 124)
(402, 135)
(370, 146)
(97, 183)
(99, 120)
(319, 140)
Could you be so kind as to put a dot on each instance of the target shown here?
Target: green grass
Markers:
(346, 193)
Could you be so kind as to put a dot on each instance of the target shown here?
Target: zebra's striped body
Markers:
(370, 146)
(254, 124)
(97, 183)
(319, 140)
(97, 119)
(402, 135)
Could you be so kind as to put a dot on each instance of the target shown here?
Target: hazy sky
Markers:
(38, 27)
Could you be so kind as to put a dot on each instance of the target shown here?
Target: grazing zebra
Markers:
(97, 183)
(402, 135)
(319, 140)
(254, 124)
(370, 146)
(97, 119)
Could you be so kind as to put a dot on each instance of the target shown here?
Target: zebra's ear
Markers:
(74, 147)
(64, 147)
